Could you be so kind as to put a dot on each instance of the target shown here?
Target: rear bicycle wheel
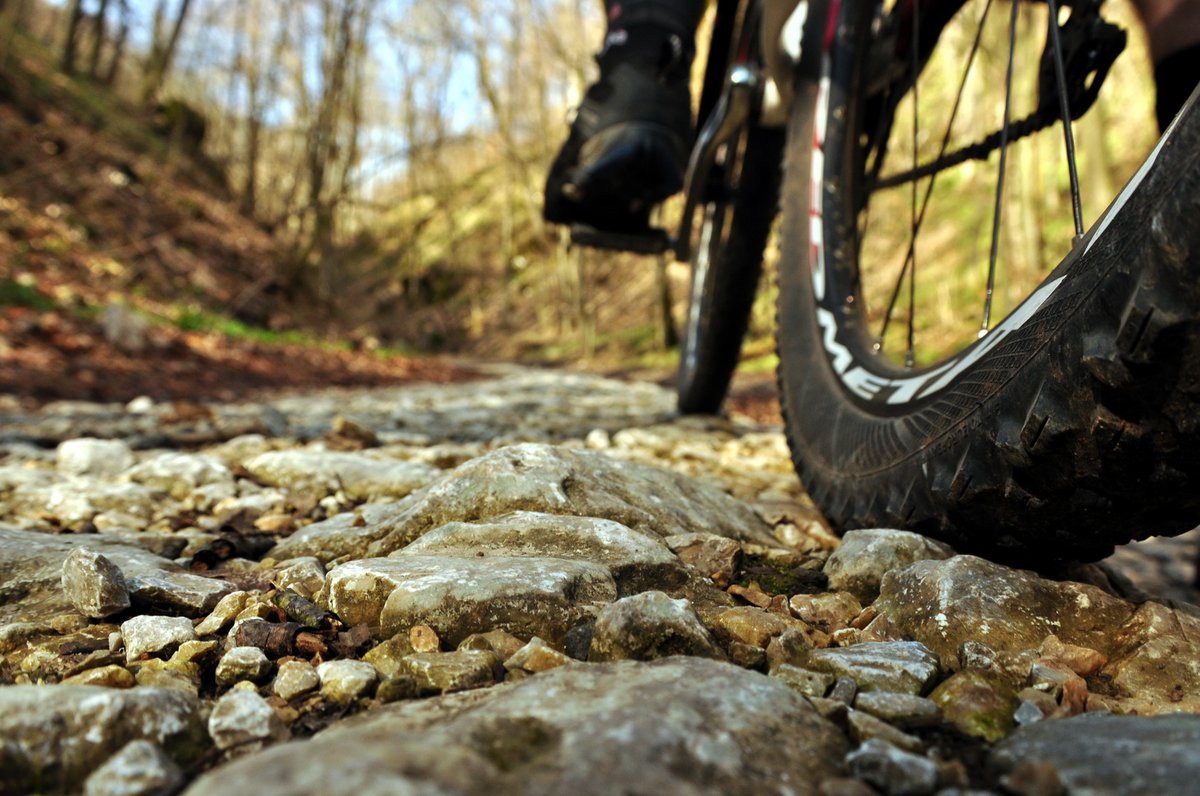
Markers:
(726, 263)
(1067, 427)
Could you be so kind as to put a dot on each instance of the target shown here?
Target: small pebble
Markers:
(537, 656)
(894, 771)
(809, 683)
(294, 679)
(844, 690)
(424, 639)
(95, 585)
(155, 635)
(243, 719)
(864, 726)
(140, 768)
(243, 663)
(902, 710)
(345, 681)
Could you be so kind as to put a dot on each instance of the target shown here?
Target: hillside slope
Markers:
(125, 271)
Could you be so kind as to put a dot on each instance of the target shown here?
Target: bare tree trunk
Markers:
(70, 46)
(118, 54)
(162, 53)
(98, 31)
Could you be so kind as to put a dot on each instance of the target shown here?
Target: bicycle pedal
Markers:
(649, 241)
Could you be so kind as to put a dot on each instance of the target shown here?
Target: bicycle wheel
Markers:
(726, 266)
(1064, 429)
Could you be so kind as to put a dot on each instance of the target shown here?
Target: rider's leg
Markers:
(628, 144)
(1173, 30)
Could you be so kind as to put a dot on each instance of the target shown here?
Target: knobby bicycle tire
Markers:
(720, 305)
(1071, 427)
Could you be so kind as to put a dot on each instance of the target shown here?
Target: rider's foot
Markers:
(628, 145)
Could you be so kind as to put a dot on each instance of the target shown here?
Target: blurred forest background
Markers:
(366, 171)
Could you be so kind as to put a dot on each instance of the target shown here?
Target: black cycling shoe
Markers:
(629, 143)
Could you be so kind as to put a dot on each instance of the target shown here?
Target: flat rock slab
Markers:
(1153, 651)
(54, 736)
(637, 561)
(360, 476)
(31, 567)
(944, 603)
(1101, 754)
(677, 726)
(903, 667)
(553, 480)
(459, 596)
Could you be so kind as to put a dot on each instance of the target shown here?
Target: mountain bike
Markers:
(974, 366)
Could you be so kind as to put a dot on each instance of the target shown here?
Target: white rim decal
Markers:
(870, 386)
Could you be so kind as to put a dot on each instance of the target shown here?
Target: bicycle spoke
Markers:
(993, 256)
(1061, 78)
(910, 354)
(910, 254)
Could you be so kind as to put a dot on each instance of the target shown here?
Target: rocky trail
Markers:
(540, 583)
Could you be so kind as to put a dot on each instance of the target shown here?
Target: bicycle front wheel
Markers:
(727, 262)
(1047, 411)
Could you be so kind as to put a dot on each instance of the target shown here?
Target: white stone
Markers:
(155, 635)
(101, 458)
(178, 474)
(345, 681)
(243, 663)
(242, 718)
(139, 769)
(295, 678)
(94, 584)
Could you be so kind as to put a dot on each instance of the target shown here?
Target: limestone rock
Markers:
(31, 566)
(715, 557)
(893, 770)
(829, 612)
(99, 458)
(451, 671)
(179, 474)
(1110, 755)
(155, 635)
(650, 625)
(608, 729)
(460, 596)
(544, 478)
(637, 561)
(295, 679)
(1157, 658)
(139, 769)
(243, 663)
(865, 556)
(223, 613)
(906, 667)
(111, 676)
(360, 476)
(76, 502)
(977, 703)
(388, 656)
(345, 681)
(903, 710)
(536, 656)
(244, 720)
(54, 736)
(305, 576)
(343, 536)
(94, 584)
(748, 625)
(943, 604)
(805, 681)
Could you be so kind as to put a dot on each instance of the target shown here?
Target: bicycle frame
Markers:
(748, 80)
